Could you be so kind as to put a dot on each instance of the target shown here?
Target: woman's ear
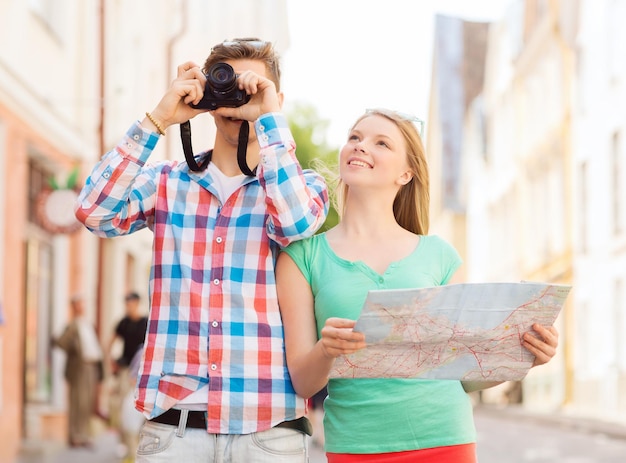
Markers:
(405, 178)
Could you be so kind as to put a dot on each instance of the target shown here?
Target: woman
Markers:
(381, 242)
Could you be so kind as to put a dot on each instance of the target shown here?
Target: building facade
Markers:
(542, 177)
(48, 116)
(67, 95)
(599, 224)
(526, 195)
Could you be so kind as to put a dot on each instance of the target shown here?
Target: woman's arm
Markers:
(309, 360)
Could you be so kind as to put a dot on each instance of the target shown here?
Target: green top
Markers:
(384, 415)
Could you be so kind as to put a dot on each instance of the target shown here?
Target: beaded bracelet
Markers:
(156, 124)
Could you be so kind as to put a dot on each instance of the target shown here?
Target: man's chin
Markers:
(232, 120)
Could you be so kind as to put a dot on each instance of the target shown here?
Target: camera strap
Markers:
(185, 136)
(242, 148)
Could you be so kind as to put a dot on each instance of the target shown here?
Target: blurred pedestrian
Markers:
(130, 418)
(131, 332)
(213, 382)
(381, 242)
(83, 372)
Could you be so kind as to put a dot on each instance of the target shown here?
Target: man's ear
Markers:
(281, 99)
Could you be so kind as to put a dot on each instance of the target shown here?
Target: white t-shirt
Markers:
(224, 184)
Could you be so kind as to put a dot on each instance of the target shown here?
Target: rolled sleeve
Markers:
(272, 129)
(138, 143)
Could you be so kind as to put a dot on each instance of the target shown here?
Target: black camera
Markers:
(221, 89)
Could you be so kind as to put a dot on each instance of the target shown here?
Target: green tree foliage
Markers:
(312, 149)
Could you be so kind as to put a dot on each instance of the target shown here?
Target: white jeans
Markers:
(159, 443)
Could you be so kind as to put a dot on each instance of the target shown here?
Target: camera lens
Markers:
(222, 77)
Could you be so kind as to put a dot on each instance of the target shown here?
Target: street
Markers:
(504, 436)
(512, 439)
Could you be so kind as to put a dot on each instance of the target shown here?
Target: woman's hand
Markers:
(543, 344)
(339, 338)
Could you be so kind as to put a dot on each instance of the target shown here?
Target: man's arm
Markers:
(118, 196)
(297, 199)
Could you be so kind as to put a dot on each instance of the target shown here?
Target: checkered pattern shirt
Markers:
(214, 315)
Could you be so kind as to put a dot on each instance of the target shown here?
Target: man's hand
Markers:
(264, 98)
(186, 89)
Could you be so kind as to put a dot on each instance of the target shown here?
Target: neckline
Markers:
(363, 265)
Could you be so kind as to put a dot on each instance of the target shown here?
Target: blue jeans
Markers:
(160, 443)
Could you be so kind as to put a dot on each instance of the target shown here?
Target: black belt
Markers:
(197, 419)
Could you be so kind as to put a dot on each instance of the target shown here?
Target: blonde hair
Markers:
(412, 202)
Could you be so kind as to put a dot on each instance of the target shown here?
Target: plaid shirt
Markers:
(214, 315)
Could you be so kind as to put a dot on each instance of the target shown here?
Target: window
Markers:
(37, 354)
(618, 190)
(615, 36)
(619, 323)
(583, 207)
(37, 181)
(38, 295)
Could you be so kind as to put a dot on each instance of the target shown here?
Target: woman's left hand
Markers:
(543, 344)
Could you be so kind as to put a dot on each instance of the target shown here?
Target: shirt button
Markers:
(135, 137)
(106, 175)
(215, 324)
(261, 127)
(214, 367)
(265, 137)
(218, 239)
(216, 282)
(381, 280)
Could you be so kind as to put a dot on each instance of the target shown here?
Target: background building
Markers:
(529, 178)
(73, 77)
(599, 221)
(526, 143)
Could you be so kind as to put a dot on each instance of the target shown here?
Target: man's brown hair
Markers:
(247, 48)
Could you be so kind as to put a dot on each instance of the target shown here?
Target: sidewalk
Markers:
(103, 451)
(562, 419)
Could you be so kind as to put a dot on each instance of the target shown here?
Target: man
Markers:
(131, 330)
(213, 371)
(83, 372)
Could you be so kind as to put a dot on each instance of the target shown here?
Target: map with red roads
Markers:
(469, 332)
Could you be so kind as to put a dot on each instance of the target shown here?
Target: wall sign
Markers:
(55, 206)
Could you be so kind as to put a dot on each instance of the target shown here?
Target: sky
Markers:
(349, 55)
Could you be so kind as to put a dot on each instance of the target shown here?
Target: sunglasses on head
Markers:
(404, 116)
(258, 44)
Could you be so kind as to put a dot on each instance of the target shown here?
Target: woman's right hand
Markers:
(339, 338)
